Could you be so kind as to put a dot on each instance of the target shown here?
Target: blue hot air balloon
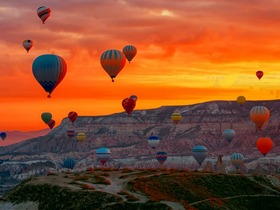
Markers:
(3, 135)
(229, 134)
(161, 157)
(236, 160)
(49, 70)
(199, 153)
(69, 163)
(103, 154)
(153, 141)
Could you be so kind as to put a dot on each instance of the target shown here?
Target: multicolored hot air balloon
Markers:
(3, 135)
(199, 153)
(229, 134)
(259, 74)
(69, 163)
(176, 117)
(70, 132)
(259, 115)
(51, 123)
(236, 160)
(81, 136)
(27, 44)
(241, 100)
(73, 116)
(112, 61)
(134, 97)
(161, 157)
(103, 154)
(153, 141)
(43, 12)
(46, 117)
(264, 145)
(49, 70)
(128, 104)
(129, 51)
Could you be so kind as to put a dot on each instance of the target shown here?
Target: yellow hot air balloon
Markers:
(176, 117)
(81, 136)
(241, 100)
(259, 115)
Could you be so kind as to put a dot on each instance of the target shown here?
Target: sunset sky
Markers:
(189, 51)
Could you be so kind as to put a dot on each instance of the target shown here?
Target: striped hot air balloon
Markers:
(49, 70)
(27, 44)
(259, 115)
(229, 134)
(129, 51)
(72, 116)
(103, 154)
(70, 132)
(176, 117)
(153, 141)
(236, 160)
(161, 157)
(43, 12)
(69, 163)
(199, 153)
(112, 61)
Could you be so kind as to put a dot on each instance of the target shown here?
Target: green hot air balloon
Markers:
(46, 117)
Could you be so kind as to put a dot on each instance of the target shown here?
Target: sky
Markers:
(187, 52)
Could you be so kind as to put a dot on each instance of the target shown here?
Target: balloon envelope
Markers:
(81, 136)
(153, 141)
(46, 117)
(103, 154)
(129, 51)
(264, 145)
(44, 13)
(70, 132)
(241, 100)
(3, 135)
(51, 123)
(112, 61)
(69, 163)
(176, 117)
(134, 97)
(72, 116)
(49, 70)
(161, 157)
(27, 44)
(259, 74)
(199, 153)
(236, 160)
(229, 134)
(259, 115)
(128, 104)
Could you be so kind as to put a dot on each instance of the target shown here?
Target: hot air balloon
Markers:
(70, 132)
(43, 12)
(129, 51)
(241, 100)
(134, 97)
(51, 124)
(264, 145)
(49, 70)
(153, 141)
(27, 44)
(72, 116)
(259, 115)
(199, 153)
(69, 163)
(128, 105)
(161, 157)
(229, 134)
(112, 61)
(81, 136)
(46, 117)
(103, 154)
(3, 135)
(259, 74)
(236, 160)
(176, 117)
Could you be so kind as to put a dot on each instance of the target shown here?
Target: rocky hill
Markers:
(144, 189)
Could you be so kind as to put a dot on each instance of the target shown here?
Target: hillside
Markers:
(145, 189)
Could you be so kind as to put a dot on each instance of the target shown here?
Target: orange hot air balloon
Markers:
(128, 105)
(259, 115)
(264, 145)
(259, 74)
(129, 51)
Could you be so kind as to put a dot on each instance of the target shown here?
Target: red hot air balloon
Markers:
(128, 105)
(72, 116)
(259, 74)
(51, 124)
(43, 12)
(264, 145)
(259, 115)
